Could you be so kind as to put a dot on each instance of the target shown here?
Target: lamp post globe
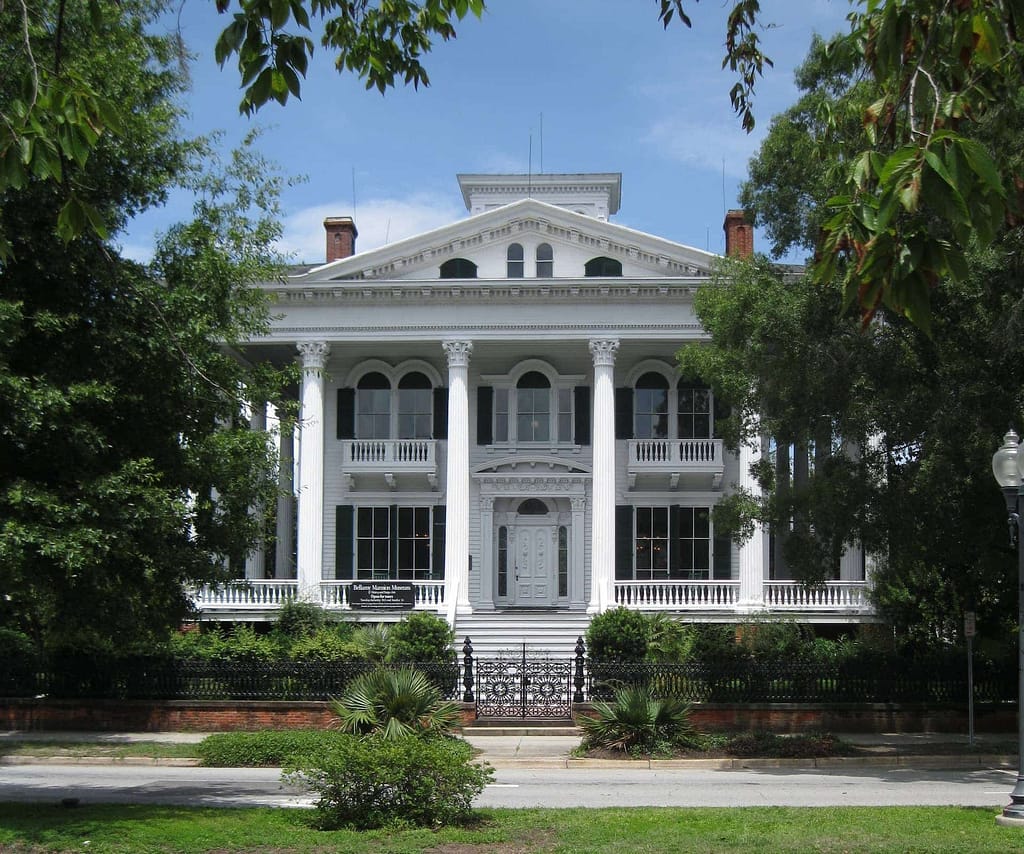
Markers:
(1008, 468)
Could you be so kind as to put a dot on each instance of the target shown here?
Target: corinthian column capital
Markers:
(458, 353)
(314, 354)
(603, 351)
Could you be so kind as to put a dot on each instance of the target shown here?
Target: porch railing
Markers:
(380, 454)
(258, 595)
(832, 595)
(677, 595)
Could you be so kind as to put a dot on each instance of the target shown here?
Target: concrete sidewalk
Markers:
(554, 751)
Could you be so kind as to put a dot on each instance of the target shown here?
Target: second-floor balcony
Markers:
(674, 459)
(391, 458)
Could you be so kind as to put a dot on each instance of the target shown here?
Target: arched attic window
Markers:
(602, 266)
(545, 261)
(515, 266)
(373, 407)
(415, 407)
(458, 268)
(650, 407)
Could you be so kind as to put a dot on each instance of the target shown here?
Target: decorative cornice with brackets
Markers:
(421, 292)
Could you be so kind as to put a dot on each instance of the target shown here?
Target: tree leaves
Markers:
(900, 227)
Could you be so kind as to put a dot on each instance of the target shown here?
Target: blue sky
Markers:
(617, 94)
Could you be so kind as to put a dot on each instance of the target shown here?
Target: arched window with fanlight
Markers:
(545, 261)
(514, 261)
(533, 408)
(650, 407)
(415, 406)
(373, 407)
(694, 410)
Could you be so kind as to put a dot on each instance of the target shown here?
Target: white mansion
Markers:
(490, 411)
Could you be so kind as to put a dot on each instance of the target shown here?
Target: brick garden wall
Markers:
(228, 715)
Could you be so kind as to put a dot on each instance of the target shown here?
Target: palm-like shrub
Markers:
(370, 641)
(636, 720)
(395, 704)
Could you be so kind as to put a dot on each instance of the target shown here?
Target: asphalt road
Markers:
(548, 787)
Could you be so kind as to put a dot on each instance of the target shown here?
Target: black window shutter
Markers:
(582, 414)
(484, 415)
(624, 542)
(623, 413)
(437, 543)
(346, 413)
(441, 413)
(344, 547)
(722, 569)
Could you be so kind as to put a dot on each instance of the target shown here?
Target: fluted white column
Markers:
(576, 551)
(256, 559)
(285, 500)
(456, 540)
(753, 552)
(602, 540)
(311, 469)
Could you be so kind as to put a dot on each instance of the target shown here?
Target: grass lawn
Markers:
(37, 828)
(150, 749)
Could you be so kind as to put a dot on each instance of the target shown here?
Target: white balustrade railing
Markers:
(675, 453)
(388, 453)
(428, 595)
(832, 595)
(677, 595)
(246, 595)
(270, 595)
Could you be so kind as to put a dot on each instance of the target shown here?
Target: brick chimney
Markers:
(739, 235)
(341, 237)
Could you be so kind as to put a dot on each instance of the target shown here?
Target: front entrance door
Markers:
(532, 563)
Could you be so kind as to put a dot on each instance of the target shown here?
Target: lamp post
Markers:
(1008, 468)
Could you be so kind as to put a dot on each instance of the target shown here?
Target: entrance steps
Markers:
(495, 727)
(502, 633)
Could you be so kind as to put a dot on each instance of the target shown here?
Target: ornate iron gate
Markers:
(524, 687)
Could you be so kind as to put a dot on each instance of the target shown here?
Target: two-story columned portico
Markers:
(491, 411)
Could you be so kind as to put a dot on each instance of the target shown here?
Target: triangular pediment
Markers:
(419, 257)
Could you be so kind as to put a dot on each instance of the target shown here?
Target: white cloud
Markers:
(379, 221)
(705, 145)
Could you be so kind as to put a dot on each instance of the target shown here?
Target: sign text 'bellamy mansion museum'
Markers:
(491, 419)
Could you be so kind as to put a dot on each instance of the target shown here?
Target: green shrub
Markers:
(395, 704)
(329, 643)
(636, 720)
(371, 782)
(618, 635)
(421, 637)
(298, 619)
(770, 745)
(269, 748)
(715, 643)
(668, 640)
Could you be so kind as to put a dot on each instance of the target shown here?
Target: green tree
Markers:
(881, 437)
(126, 470)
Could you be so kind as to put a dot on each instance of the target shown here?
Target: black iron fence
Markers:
(173, 679)
(895, 680)
(898, 681)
